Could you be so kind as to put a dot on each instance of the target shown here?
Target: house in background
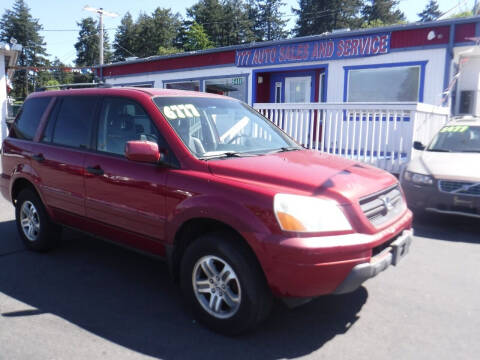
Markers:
(8, 57)
(365, 94)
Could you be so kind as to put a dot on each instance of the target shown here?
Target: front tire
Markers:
(224, 284)
(38, 233)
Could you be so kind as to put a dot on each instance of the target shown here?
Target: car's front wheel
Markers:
(224, 285)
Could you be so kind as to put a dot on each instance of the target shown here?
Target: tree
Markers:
(431, 12)
(383, 10)
(210, 14)
(162, 50)
(155, 31)
(236, 26)
(196, 38)
(461, 14)
(125, 39)
(253, 16)
(319, 16)
(87, 45)
(19, 24)
(226, 22)
(271, 19)
(60, 72)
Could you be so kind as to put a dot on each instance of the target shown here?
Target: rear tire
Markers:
(38, 233)
(224, 284)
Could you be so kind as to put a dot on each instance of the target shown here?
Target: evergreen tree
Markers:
(125, 39)
(60, 72)
(87, 45)
(210, 14)
(155, 31)
(237, 27)
(226, 22)
(271, 19)
(196, 38)
(383, 10)
(253, 15)
(319, 16)
(19, 24)
(431, 12)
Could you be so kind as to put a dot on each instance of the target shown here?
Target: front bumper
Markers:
(309, 267)
(431, 199)
(391, 255)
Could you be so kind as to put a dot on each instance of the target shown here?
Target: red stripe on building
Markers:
(463, 31)
(187, 61)
(419, 37)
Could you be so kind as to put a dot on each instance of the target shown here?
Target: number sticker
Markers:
(180, 111)
(454, 128)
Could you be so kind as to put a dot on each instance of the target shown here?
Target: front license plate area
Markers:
(400, 247)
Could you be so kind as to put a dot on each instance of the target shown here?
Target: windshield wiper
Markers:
(439, 150)
(224, 154)
(471, 151)
(284, 149)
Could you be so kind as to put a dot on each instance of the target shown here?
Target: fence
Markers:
(380, 134)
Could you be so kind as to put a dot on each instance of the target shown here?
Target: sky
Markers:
(59, 18)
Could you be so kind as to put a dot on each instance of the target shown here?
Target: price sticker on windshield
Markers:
(181, 111)
(454, 128)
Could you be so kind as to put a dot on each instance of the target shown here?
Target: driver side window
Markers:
(123, 120)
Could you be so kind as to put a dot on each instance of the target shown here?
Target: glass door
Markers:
(298, 89)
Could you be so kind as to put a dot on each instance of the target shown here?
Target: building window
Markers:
(278, 92)
(321, 87)
(184, 85)
(396, 83)
(233, 86)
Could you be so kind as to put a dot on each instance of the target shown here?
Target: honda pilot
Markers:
(240, 212)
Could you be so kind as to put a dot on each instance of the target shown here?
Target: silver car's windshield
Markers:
(456, 138)
(213, 128)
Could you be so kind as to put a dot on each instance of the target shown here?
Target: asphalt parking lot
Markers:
(88, 300)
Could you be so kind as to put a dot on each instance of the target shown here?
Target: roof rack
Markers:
(75, 86)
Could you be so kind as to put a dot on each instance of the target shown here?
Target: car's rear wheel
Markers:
(34, 226)
(224, 284)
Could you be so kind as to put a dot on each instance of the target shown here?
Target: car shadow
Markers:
(129, 299)
(439, 227)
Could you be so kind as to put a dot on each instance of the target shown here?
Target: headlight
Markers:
(307, 214)
(418, 178)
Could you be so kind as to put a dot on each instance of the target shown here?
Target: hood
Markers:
(448, 166)
(307, 172)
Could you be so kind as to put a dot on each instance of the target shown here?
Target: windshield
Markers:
(213, 128)
(457, 138)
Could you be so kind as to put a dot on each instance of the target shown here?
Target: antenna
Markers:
(100, 13)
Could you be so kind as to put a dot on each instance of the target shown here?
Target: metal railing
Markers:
(380, 134)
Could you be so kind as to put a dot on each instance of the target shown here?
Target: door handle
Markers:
(95, 170)
(38, 157)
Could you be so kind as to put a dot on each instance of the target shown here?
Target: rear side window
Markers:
(27, 122)
(73, 122)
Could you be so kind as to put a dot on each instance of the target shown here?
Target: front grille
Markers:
(383, 206)
(459, 187)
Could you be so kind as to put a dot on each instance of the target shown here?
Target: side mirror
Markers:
(417, 145)
(143, 151)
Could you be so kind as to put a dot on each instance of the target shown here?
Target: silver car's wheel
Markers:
(216, 287)
(30, 221)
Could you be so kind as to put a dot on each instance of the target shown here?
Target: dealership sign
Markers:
(329, 49)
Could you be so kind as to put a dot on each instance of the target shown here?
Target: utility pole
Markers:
(100, 13)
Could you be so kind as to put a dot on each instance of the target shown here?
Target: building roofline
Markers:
(330, 35)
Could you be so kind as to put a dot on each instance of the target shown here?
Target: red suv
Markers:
(240, 212)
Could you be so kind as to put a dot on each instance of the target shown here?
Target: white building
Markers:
(436, 63)
(8, 57)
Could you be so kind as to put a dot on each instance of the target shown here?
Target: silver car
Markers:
(445, 177)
